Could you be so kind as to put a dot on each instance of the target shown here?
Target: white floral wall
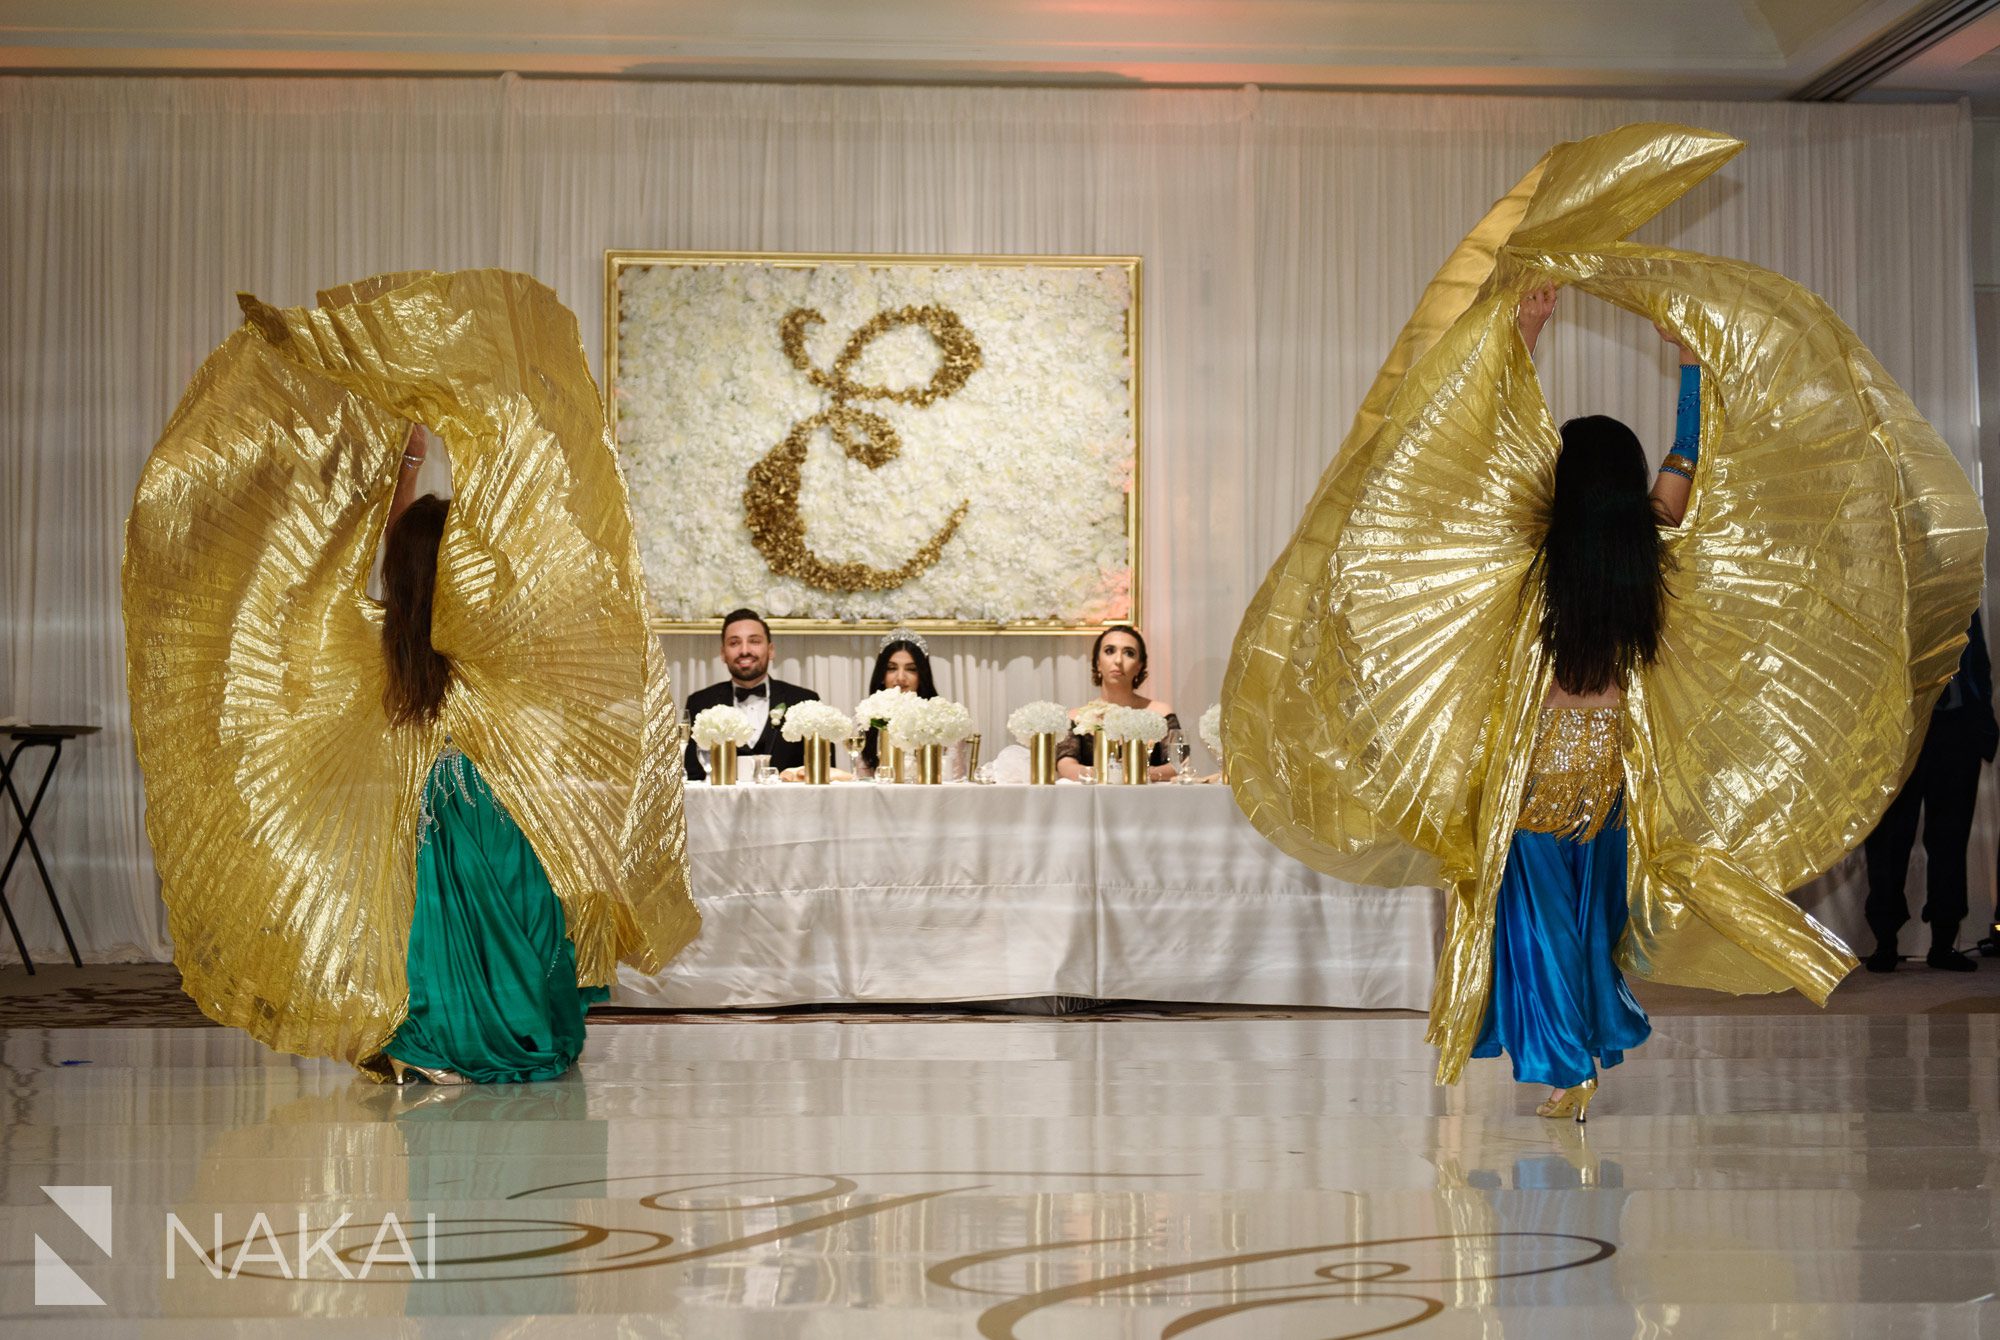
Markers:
(1038, 442)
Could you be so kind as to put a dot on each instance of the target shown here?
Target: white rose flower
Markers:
(1089, 717)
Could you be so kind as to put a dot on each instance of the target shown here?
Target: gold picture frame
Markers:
(617, 261)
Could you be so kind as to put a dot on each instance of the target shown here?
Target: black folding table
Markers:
(27, 737)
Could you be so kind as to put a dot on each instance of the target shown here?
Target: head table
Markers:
(862, 892)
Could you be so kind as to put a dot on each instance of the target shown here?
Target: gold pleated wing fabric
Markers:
(1383, 691)
(281, 803)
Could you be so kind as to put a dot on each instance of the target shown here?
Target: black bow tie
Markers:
(761, 691)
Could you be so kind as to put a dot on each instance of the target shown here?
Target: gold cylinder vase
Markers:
(1137, 755)
(930, 765)
(1042, 759)
(722, 765)
(1100, 758)
(819, 762)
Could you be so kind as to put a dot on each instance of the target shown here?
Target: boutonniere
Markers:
(778, 713)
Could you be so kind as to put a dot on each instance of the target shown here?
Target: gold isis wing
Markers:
(282, 805)
(1384, 686)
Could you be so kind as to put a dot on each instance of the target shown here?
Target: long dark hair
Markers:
(1601, 564)
(878, 679)
(418, 673)
(1096, 675)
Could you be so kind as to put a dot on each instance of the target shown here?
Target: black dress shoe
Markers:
(1950, 960)
(1882, 960)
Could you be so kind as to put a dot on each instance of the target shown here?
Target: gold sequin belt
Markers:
(1576, 773)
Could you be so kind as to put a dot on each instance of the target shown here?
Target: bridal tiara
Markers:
(904, 635)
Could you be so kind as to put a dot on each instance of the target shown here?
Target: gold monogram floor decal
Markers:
(771, 500)
(1382, 1284)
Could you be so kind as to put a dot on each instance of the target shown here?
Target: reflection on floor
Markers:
(149, 995)
(1042, 1180)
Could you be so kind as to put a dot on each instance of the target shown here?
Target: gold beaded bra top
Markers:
(1576, 773)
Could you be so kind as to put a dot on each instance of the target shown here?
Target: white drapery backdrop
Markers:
(1285, 238)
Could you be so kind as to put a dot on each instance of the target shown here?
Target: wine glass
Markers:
(1179, 752)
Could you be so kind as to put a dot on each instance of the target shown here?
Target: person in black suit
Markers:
(1944, 786)
(746, 650)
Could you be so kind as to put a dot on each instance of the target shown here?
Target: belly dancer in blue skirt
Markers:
(1559, 1006)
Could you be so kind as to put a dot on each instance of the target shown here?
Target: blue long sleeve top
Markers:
(1687, 415)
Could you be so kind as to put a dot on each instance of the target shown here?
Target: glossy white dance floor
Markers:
(1045, 1180)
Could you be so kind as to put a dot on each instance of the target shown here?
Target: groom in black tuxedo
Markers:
(746, 650)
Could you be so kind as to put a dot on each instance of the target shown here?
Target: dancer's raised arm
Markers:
(1537, 306)
(1676, 477)
(414, 447)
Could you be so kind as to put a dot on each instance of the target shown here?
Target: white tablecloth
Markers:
(912, 893)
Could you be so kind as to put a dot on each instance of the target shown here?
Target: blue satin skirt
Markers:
(1560, 1007)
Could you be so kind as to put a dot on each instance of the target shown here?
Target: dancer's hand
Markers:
(1687, 359)
(414, 447)
(1537, 306)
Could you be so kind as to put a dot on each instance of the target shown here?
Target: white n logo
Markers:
(56, 1285)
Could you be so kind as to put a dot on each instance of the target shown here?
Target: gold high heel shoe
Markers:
(411, 1074)
(1575, 1101)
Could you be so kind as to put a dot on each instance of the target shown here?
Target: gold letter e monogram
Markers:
(771, 501)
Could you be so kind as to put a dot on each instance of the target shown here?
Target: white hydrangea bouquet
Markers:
(816, 721)
(1211, 730)
(878, 710)
(1038, 718)
(1134, 723)
(722, 725)
(927, 721)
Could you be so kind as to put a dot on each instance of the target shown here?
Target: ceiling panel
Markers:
(1746, 48)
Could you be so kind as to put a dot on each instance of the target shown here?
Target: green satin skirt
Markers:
(493, 991)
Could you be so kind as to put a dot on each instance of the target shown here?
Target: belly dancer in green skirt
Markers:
(415, 834)
(493, 992)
